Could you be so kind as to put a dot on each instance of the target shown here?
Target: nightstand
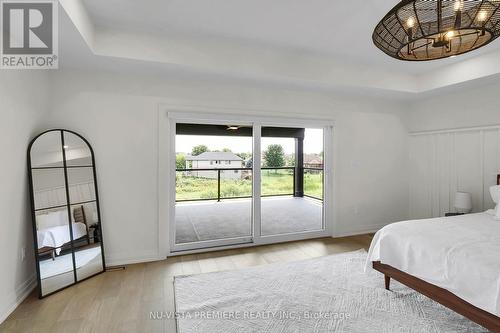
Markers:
(453, 214)
(94, 230)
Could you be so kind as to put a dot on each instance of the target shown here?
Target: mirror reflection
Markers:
(49, 188)
(81, 185)
(65, 210)
(87, 248)
(54, 250)
(77, 151)
(46, 151)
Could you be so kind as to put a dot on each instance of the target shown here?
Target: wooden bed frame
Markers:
(440, 295)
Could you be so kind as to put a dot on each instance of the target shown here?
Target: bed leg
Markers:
(387, 282)
(53, 254)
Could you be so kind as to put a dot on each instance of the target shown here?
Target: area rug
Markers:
(327, 294)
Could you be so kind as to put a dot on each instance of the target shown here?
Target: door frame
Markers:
(168, 117)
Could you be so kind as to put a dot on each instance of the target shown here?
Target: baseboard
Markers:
(360, 231)
(122, 259)
(17, 297)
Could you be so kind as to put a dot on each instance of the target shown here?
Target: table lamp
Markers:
(463, 202)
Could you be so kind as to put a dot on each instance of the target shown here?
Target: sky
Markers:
(313, 143)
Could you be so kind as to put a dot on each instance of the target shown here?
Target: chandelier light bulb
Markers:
(482, 16)
(450, 34)
(458, 5)
(410, 23)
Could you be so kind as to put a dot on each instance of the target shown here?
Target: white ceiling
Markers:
(341, 28)
(324, 26)
(319, 42)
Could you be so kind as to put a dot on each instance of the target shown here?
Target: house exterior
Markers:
(215, 160)
(313, 161)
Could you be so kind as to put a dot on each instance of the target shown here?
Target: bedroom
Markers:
(400, 139)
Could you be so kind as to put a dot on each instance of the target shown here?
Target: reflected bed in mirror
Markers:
(66, 214)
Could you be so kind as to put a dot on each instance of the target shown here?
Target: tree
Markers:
(274, 156)
(244, 156)
(199, 150)
(226, 150)
(180, 161)
(290, 160)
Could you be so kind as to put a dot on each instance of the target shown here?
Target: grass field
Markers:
(274, 182)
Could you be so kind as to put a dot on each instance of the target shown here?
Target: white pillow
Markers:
(495, 193)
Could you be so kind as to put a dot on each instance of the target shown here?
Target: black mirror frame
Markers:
(68, 204)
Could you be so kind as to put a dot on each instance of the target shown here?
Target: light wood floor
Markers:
(121, 301)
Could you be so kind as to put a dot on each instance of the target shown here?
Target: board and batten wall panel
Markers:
(442, 163)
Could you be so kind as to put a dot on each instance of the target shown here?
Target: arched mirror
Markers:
(65, 210)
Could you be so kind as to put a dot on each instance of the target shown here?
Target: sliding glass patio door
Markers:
(246, 183)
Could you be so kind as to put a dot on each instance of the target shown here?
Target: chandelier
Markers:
(419, 30)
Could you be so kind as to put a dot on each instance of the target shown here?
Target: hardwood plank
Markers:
(224, 262)
(190, 265)
(207, 263)
(247, 258)
(173, 266)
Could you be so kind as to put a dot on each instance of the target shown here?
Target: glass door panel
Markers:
(291, 180)
(313, 175)
(277, 182)
(213, 185)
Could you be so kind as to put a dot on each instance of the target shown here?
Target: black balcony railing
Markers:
(310, 190)
(271, 178)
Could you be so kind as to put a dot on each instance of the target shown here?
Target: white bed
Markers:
(53, 228)
(460, 254)
(57, 236)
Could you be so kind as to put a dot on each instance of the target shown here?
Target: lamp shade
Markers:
(463, 202)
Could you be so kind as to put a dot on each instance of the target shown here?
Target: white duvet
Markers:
(59, 235)
(460, 254)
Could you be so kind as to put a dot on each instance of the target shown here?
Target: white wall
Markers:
(464, 157)
(118, 115)
(23, 96)
(443, 163)
(465, 108)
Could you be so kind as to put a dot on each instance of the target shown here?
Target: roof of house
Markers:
(214, 156)
(314, 161)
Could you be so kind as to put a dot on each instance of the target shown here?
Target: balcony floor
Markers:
(209, 220)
